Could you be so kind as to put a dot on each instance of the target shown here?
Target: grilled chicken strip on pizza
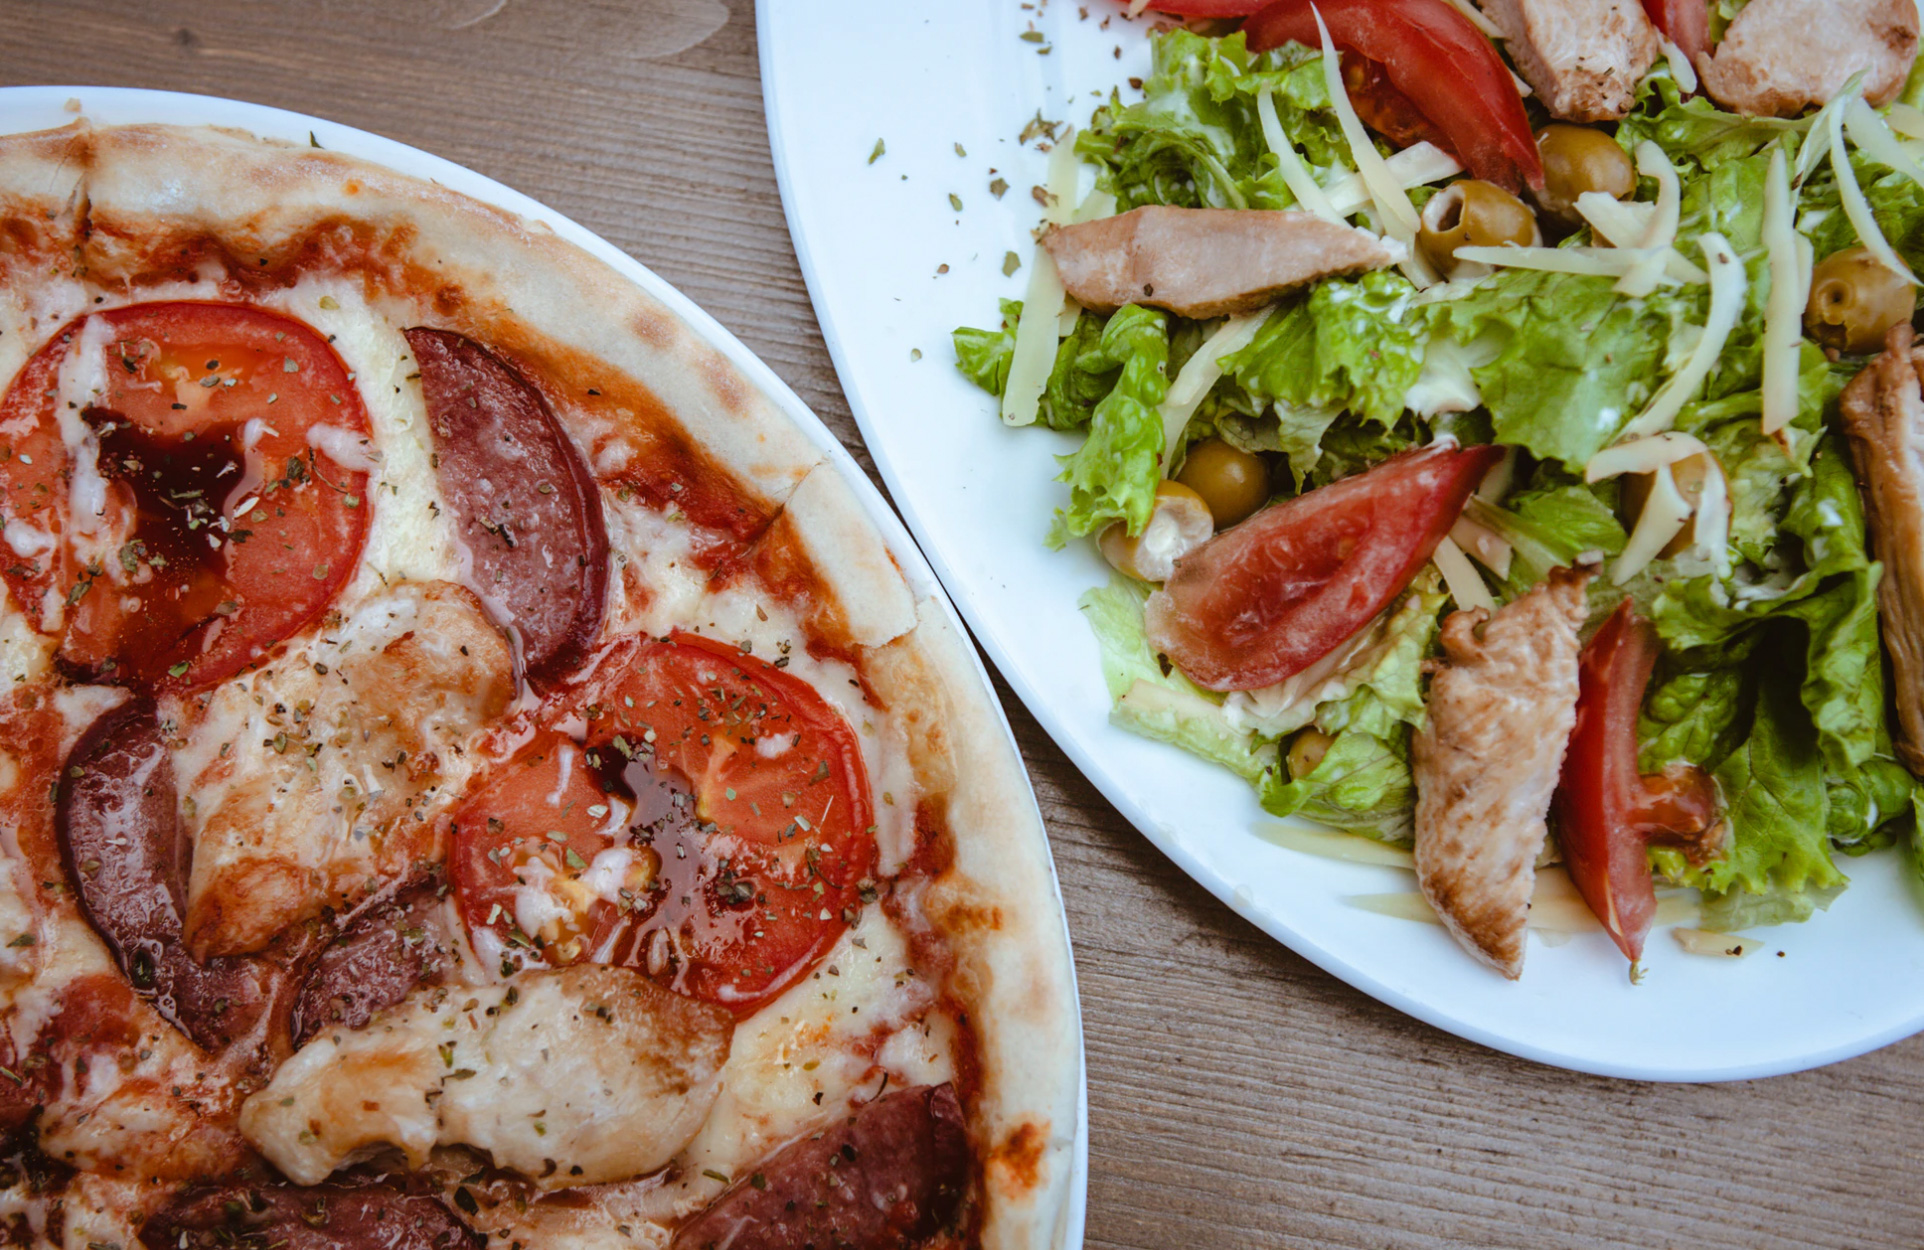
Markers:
(470, 771)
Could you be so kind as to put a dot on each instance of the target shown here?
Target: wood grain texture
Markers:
(1240, 1096)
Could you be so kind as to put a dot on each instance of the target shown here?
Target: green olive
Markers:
(1854, 300)
(1179, 523)
(1232, 482)
(1577, 159)
(1306, 751)
(1472, 213)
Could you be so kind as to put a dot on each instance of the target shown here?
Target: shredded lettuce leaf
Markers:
(1113, 476)
(1354, 344)
(1195, 138)
(1579, 360)
(1160, 704)
(1773, 785)
(1362, 784)
(984, 356)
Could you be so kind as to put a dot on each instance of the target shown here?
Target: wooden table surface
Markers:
(1238, 1095)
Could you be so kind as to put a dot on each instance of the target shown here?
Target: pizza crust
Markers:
(997, 905)
(862, 599)
(157, 194)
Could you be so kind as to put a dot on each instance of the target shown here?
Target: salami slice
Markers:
(317, 1217)
(376, 960)
(527, 508)
(127, 857)
(890, 1175)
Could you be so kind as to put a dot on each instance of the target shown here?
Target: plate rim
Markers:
(1055, 724)
(405, 158)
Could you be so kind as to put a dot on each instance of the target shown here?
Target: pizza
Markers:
(470, 770)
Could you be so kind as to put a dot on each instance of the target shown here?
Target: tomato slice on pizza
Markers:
(713, 829)
(174, 491)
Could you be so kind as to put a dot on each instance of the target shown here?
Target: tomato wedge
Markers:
(1266, 599)
(1606, 814)
(1437, 60)
(170, 518)
(1685, 23)
(714, 829)
(1386, 110)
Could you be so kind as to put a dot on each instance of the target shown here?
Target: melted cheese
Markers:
(578, 1077)
(411, 533)
(805, 1059)
(29, 312)
(302, 780)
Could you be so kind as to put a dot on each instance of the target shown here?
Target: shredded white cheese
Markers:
(1617, 222)
(1817, 132)
(1661, 520)
(1790, 276)
(1489, 28)
(1642, 455)
(1652, 162)
(1386, 193)
(1856, 207)
(1497, 482)
(1660, 235)
(1667, 509)
(1592, 262)
(1035, 337)
(1465, 584)
(1625, 225)
(1728, 287)
(1198, 375)
(1680, 68)
(1414, 166)
(1712, 532)
(1874, 138)
(1302, 184)
(1906, 121)
(1490, 548)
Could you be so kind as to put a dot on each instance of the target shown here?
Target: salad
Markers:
(1480, 422)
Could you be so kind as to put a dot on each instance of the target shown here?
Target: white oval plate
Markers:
(925, 77)
(40, 108)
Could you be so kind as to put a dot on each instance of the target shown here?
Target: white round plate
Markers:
(893, 268)
(39, 108)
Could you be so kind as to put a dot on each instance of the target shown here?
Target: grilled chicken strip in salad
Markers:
(1479, 414)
